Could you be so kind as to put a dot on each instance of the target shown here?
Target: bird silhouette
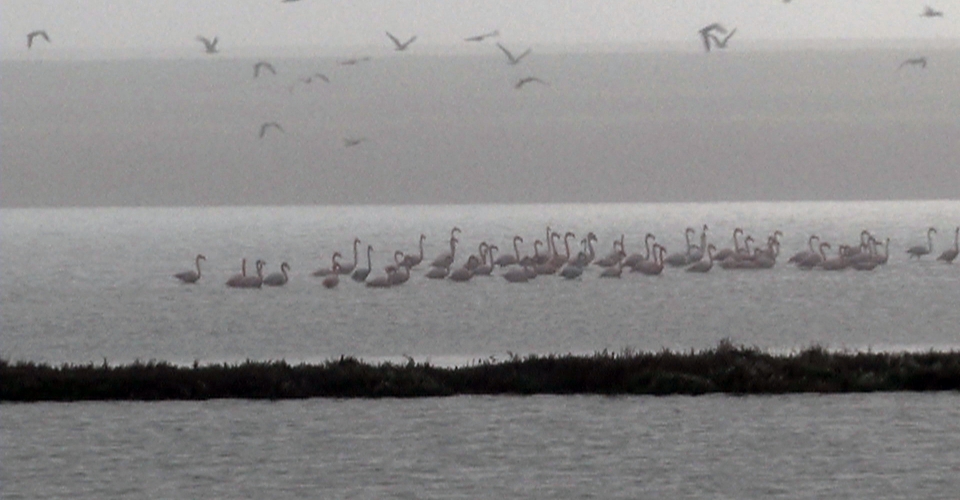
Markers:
(401, 45)
(34, 34)
(353, 61)
(263, 65)
(480, 38)
(707, 31)
(529, 79)
(721, 43)
(915, 61)
(209, 45)
(349, 142)
(929, 11)
(265, 126)
(511, 59)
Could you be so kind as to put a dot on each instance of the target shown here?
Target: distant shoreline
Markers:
(725, 369)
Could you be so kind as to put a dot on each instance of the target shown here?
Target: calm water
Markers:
(852, 446)
(81, 285)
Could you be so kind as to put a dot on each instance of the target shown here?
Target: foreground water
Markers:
(851, 446)
(81, 285)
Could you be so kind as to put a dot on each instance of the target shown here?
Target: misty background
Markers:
(808, 102)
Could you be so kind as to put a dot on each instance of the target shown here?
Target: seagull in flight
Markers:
(34, 34)
(315, 76)
(916, 61)
(513, 60)
(210, 45)
(480, 38)
(929, 11)
(265, 126)
(349, 142)
(707, 31)
(354, 61)
(721, 43)
(263, 65)
(529, 79)
(401, 45)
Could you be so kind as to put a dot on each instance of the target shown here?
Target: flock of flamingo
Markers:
(548, 259)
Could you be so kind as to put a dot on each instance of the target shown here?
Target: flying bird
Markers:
(721, 43)
(349, 142)
(513, 60)
(401, 45)
(263, 65)
(265, 126)
(210, 45)
(480, 38)
(929, 11)
(318, 76)
(529, 79)
(916, 61)
(354, 61)
(34, 34)
(707, 31)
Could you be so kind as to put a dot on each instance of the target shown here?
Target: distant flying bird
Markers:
(318, 76)
(354, 61)
(265, 126)
(34, 34)
(916, 61)
(707, 31)
(351, 141)
(210, 45)
(263, 65)
(401, 45)
(929, 11)
(513, 60)
(529, 79)
(721, 43)
(480, 38)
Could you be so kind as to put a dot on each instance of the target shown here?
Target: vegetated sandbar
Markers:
(724, 369)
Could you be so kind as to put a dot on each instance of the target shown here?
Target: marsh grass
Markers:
(723, 369)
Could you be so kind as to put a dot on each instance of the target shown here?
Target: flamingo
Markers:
(348, 268)
(920, 250)
(235, 280)
(815, 259)
(947, 256)
(837, 263)
(333, 279)
(705, 34)
(575, 270)
(914, 61)
(507, 259)
(460, 275)
(804, 254)
(726, 253)
(437, 273)
(882, 259)
(929, 11)
(401, 273)
(360, 275)
(278, 279)
(326, 271)
(446, 259)
(411, 261)
(634, 259)
(615, 256)
(517, 274)
(191, 276)
(251, 281)
(381, 281)
(486, 268)
(652, 267)
(702, 267)
(682, 259)
(34, 34)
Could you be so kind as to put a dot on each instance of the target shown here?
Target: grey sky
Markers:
(156, 26)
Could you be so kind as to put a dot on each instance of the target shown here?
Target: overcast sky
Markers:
(172, 25)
